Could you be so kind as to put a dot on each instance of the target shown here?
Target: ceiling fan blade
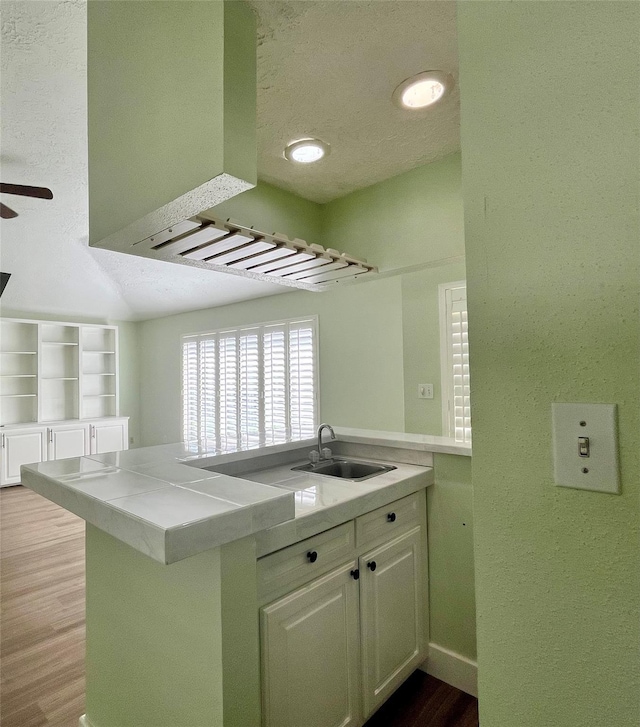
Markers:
(25, 191)
(6, 212)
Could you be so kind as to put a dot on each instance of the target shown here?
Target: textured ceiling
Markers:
(328, 69)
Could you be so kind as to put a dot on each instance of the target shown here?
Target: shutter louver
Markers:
(190, 424)
(249, 391)
(301, 382)
(250, 387)
(457, 343)
(275, 386)
(228, 396)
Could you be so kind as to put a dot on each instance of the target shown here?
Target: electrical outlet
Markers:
(425, 391)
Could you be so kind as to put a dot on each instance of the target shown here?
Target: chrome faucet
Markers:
(333, 436)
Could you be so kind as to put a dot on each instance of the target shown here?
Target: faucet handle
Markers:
(326, 453)
(314, 456)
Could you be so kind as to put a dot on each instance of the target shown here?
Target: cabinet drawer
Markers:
(389, 521)
(290, 567)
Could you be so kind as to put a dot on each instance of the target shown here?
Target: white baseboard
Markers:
(452, 668)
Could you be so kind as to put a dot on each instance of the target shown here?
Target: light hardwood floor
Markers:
(42, 612)
(42, 629)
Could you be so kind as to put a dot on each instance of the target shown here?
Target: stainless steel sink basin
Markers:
(345, 469)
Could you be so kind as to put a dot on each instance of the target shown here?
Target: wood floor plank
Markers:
(41, 612)
(423, 701)
(42, 629)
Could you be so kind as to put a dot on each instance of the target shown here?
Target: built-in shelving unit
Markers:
(52, 371)
(18, 372)
(99, 366)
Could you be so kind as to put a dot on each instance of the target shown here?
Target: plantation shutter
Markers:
(302, 390)
(251, 387)
(191, 421)
(276, 389)
(456, 374)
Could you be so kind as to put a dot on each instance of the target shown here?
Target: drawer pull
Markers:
(391, 517)
(371, 565)
(355, 574)
(312, 555)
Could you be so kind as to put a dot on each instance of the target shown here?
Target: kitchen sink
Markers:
(345, 469)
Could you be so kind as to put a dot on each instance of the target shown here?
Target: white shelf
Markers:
(45, 378)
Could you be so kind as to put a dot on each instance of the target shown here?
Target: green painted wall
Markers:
(451, 577)
(171, 103)
(421, 340)
(361, 364)
(171, 645)
(409, 220)
(239, 97)
(271, 209)
(550, 138)
(154, 632)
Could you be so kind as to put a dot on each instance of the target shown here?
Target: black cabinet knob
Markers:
(313, 556)
(355, 574)
(391, 517)
(371, 565)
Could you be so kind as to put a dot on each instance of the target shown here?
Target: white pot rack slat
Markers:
(227, 246)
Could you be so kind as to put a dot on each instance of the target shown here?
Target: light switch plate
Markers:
(425, 391)
(599, 471)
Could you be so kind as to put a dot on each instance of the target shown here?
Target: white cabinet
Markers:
(21, 446)
(38, 443)
(312, 675)
(58, 393)
(68, 441)
(109, 437)
(392, 617)
(310, 655)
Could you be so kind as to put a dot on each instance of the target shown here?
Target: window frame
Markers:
(446, 362)
(238, 329)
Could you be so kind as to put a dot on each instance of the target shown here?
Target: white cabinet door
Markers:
(392, 613)
(68, 441)
(310, 660)
(19, 447)
(108, 437)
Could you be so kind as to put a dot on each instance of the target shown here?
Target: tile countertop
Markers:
(162, 502)
(325, 502)
(402, 440)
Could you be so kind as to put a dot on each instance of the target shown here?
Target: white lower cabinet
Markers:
(334, 649)
(68, 441)
(21, 446)
(39, 443)
(310, 659)
(108, 437)
(391, 605)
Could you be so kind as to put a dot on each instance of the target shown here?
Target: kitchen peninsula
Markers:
(186, 544)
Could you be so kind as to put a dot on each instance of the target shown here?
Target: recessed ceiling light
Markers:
(306, 151)
(422, 90)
